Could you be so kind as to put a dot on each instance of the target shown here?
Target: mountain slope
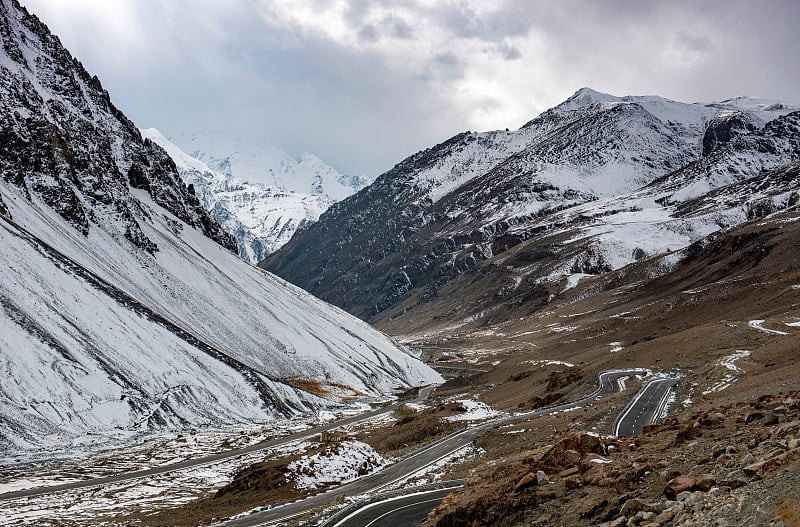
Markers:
(123, 308)
(588, 186)
(261, 218)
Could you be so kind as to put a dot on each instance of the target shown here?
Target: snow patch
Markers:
(573, 279)
(757, 324)
(729, 363)
(547, 362)
(339, 463)
(475, 411)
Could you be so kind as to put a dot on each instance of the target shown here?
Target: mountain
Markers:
(268, 165)
(506, 220)
(123, 306)
(260, 217)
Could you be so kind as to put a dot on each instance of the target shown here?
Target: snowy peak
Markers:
(268, 165)
(261, 217)
(181, 158)
(585, 187)
(586, 97)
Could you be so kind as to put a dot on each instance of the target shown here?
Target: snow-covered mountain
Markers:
(260, 217)
(123, 308)
(508, 218)
(268, 165)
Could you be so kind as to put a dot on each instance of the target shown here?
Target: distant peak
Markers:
(589, 92)
(585, 97)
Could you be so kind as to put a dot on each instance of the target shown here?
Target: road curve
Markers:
(645, 408)
(399, 511)
(424, 393)
(427, 455)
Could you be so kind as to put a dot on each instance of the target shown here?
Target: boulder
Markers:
(635, 505)
(677, 485)
(528, 480)
(704, 482)
(563, 453)
(541, 478)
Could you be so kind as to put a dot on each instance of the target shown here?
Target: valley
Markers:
(592, 319)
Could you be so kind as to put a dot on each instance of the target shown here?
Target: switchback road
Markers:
(608, 383)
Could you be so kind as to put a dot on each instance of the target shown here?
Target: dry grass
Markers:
(307, 385)
(789, 514)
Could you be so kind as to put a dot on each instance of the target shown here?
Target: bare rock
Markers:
(528, 480)
(580, 443)
(573, 482)
(634, 506)
(619, 522)
(677, 485)
(735, 479)
(704, 482)
(594, 474)
(571, 458)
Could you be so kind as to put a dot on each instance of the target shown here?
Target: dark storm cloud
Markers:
(367, 84)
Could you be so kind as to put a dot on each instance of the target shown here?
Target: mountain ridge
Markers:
(565, 165)
(124, 310)
(261, 215)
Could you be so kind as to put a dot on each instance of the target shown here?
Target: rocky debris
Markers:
(585, 479)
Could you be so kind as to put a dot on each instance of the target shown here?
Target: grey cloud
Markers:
(221, 65)
(508, 51)
(368, 33)
(400, 28)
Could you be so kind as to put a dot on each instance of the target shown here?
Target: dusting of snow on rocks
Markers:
(338, 463)
(729, 363)
(546, 362)
(474, 411)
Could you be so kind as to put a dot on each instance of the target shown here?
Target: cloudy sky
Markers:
(363, 84)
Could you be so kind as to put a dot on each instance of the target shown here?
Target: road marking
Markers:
(394, 498)
(399, 509)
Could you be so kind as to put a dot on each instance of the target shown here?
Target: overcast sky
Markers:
(363, 84)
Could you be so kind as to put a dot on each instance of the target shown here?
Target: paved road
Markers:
(645, 408)
(402, 511)
(424, 393)
(428, 455)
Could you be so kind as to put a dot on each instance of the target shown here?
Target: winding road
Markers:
(608, 383)
(424, 393)
(404, 510)
(645, 408)
(398, 511)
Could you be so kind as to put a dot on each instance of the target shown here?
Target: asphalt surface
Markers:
(424, 393)
(428, 455)
(645, 408)
(403, 511)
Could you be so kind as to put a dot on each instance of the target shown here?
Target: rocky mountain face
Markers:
(505, 219)
(50, 107)
(123, 307)
(260, 217)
